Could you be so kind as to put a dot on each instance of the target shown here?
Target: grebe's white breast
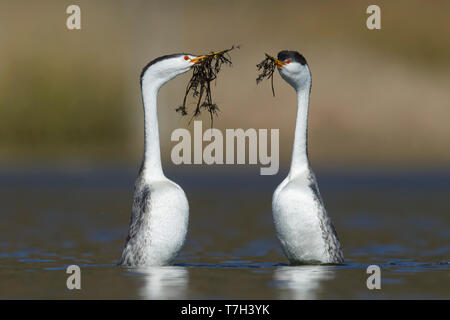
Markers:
(302, 225)
(160, 217)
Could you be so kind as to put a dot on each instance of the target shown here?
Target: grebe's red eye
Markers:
(186, 58)
(288, 61)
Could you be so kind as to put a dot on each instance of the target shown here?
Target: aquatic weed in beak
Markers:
(267, 68)
(204, 72)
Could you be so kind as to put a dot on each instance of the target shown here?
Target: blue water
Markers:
(52, 218)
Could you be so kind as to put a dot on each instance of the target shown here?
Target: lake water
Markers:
(54, 217)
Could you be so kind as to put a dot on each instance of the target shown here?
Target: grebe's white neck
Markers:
(151, 168)
(300, 162)
(153, 77)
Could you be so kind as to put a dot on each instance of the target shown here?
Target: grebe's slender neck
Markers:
(152, 169)
(299, 162)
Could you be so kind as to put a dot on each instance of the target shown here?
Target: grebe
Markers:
(160, 211)
(302, 224)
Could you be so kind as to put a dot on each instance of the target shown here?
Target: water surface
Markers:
(52, 218)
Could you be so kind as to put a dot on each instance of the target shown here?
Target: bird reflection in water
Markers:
(301, 282)
(168, 282)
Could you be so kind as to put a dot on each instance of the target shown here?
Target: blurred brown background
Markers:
(379, 98)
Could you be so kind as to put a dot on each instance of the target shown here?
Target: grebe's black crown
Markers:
(291, 55)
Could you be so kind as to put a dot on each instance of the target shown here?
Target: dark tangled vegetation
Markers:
(199, 85)
(267, 68)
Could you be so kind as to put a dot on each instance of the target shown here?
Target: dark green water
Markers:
(52, 218)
